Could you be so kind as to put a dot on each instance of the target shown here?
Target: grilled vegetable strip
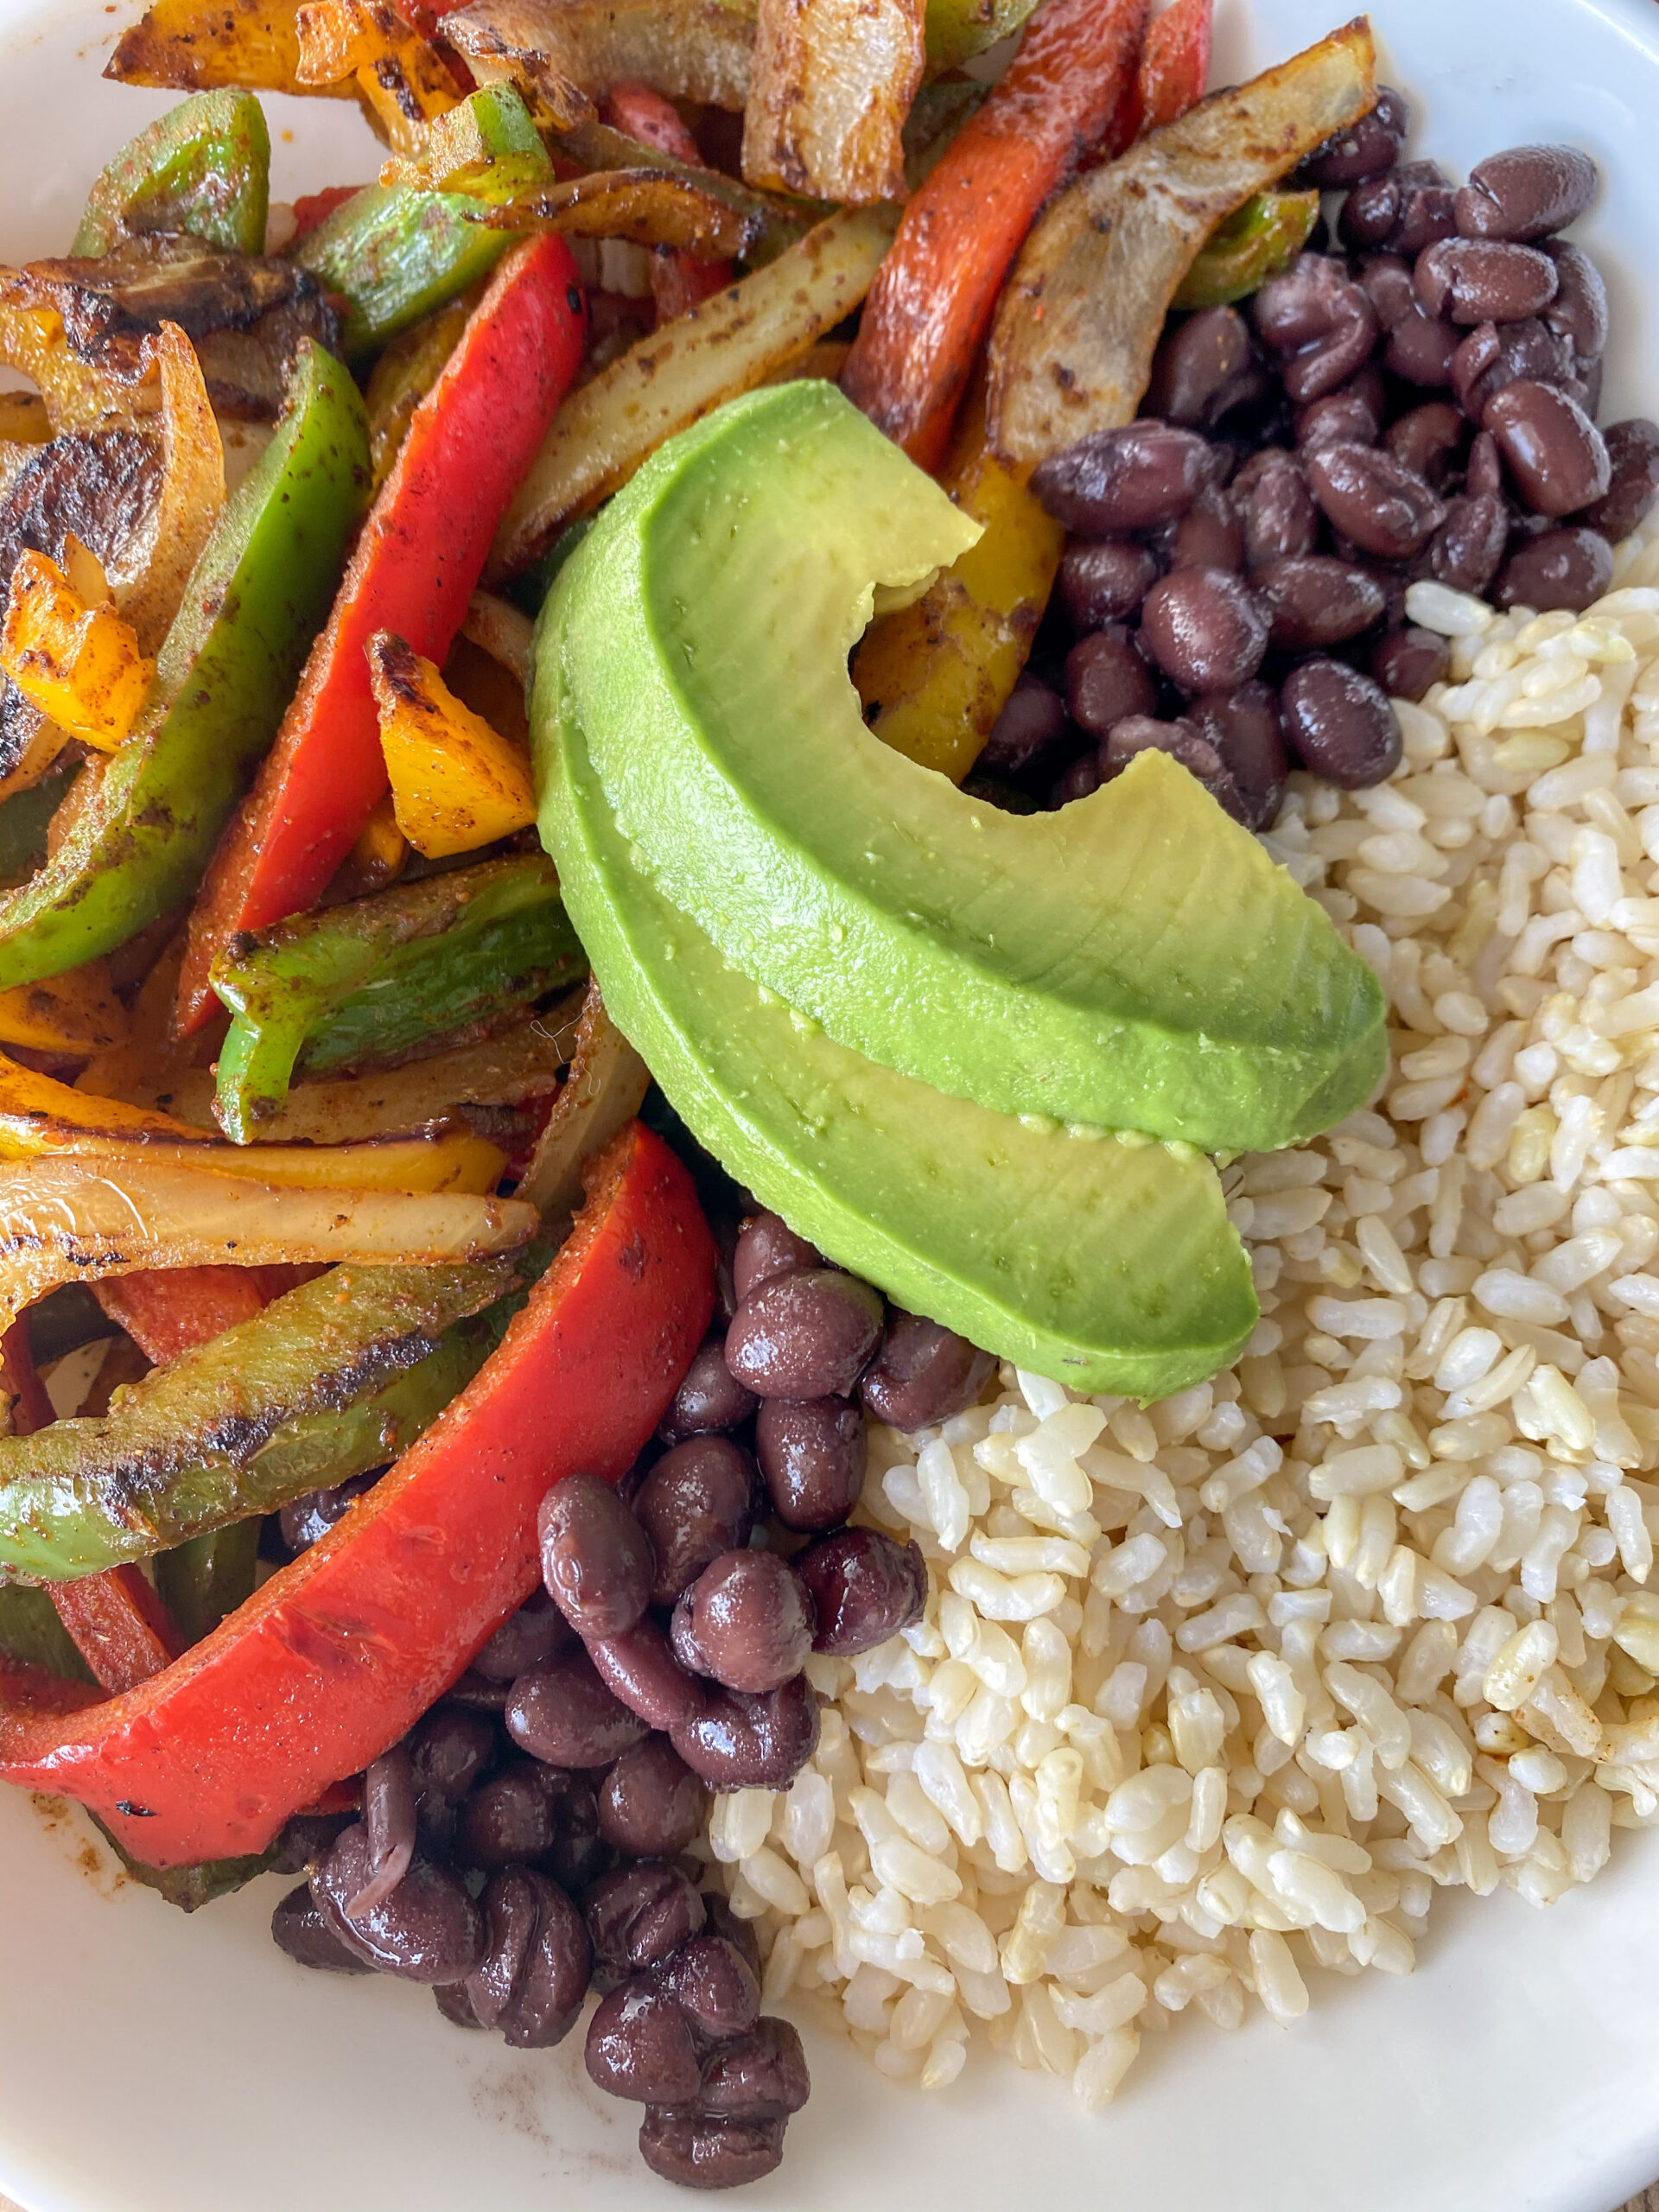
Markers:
(830, 84)
(31, 1634)
(607, 1086)
(254, 600)
(365, 981)
(78, 662)
(72, 1013)
(1074, 339)
(1242, 253)
(174, 1309)
(413, 571)
(405, 83)
(935, 675)
(456, 782)
(486, 148)
(120, 1625)
(76, 1220)
(727, 346)
(555, 50)
(332, 1659)
(1174, 68)
(204, 166)
(201, 1581)
(679, 281)
(237, 1425)
(932, 301)
(188, 47)
(394, 256)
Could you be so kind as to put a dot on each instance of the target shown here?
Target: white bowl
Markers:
(151, 2063)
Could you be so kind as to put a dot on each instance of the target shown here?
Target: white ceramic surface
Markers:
(149, 2064)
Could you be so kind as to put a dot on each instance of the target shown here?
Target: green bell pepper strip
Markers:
(395, 253)
(191, 1887)
(369, 980)
(31, 1634)
(1241, 254)
(204, 166)
(203, 1579)
(257, 596)
(25, 819)
(332, 1379)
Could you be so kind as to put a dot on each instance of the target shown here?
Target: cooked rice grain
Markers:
(1212, 1693)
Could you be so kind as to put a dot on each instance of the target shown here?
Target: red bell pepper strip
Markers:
(1175, 70)
(169, 1310)
(679, 281)
(116, 1620)
(416, 566)
(932, 304)
(332, 1659)
(314, 207)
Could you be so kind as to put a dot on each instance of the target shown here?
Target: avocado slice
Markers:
(1135, 960)
(1105, 1262)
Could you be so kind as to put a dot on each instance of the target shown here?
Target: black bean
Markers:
(1204, 365)
(1429, 208)
(1362, 149)
(740, 1934)
(596, 1559)
(1181, 742)
(1319, 322)
(1119, 481)
(923, 1373)
(1633, 485)
(741, 1742)
(535, 1632)
(1339, 724)
(640, 2046)
(1374, 500)
(1033, 721)
(305, 1838)
(640, 1668)
(1203, 629)
(1421, 348)
(710, 1400)
(1104, 581)
(679, 2146)
(510, 1816)
(1243, 728)
(390, 1824)
(1485, 470)
(1579, 310)
(804, 1336)
(748, 1620)
(697, 1503)
(455, 2004)
(1350, 416)
(761, 2076)
(1557, 457)
(1385, 279)
(1083, 777)
(715, 1986)
(1526, 192)
(538, 1959)
(301, 1930)
(638, 1916)
(1107, 677)
(1467, 550)
(428, 1929)
(811, 1453)
(305, 1521)
(1405, 663)
(1371, 213)
(1483, 280)
(1314, 601)
(865, 1586)
(1209, 535)
(1494, 355)
(1568, 569)
(769, 1246)
(561, 1714)
(651, 1804)
(1281, 519)
(449, 1750)
(1428, 439)
(475, 1693)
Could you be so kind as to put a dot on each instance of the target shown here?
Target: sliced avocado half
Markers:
(1107, 1263)
(1135, 960)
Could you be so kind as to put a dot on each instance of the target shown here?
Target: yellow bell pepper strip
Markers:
(209, 1759)
(255, 600)
(456, 784)
(405, 83)
(74, 1013)
(364, 981)
(204, 166)
(381, 852)
(1243, 252)
(402, 376)
(935, 675)
(258, 1415)
(78, 663)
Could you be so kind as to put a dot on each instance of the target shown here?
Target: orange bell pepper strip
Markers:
(1175, 70)
(414, 567)
(679, 281)
(333, 1658)
(932, 304)
(169, 1310)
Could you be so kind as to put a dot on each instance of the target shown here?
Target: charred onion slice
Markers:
(608, 1082)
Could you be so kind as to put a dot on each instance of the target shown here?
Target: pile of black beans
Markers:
(525, 1840)
(1413, 399)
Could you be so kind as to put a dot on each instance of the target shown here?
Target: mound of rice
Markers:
(1208, 1692)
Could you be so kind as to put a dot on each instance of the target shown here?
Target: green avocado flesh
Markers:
(1135, 961)
(1108, 1264)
